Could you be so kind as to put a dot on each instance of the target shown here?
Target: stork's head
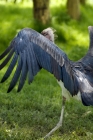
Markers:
(49, 33)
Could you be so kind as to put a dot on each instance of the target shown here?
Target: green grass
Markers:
(32, 113)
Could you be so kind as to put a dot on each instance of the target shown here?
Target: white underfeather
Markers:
(67, 94)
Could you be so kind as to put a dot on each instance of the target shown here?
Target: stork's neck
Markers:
(90, 28)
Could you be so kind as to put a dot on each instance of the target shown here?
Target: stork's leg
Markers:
(59, 124)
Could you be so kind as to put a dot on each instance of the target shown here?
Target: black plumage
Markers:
(32, 51)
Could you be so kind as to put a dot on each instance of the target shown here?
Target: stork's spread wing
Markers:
(31, 51)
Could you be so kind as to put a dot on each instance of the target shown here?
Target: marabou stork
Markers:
(33, 51)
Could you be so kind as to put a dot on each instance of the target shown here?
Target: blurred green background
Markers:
(32, 113)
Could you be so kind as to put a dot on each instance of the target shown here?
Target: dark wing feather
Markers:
(7, 58)
(5, 52)
(10, 68)
(43, 58)
(32, 51)
(34, 64)
(29, 65)
(16, 74)
(23, 72)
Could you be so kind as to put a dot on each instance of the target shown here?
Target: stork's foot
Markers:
(59, 124)
(54, 129)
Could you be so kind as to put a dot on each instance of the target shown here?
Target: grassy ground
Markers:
(32, 113)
